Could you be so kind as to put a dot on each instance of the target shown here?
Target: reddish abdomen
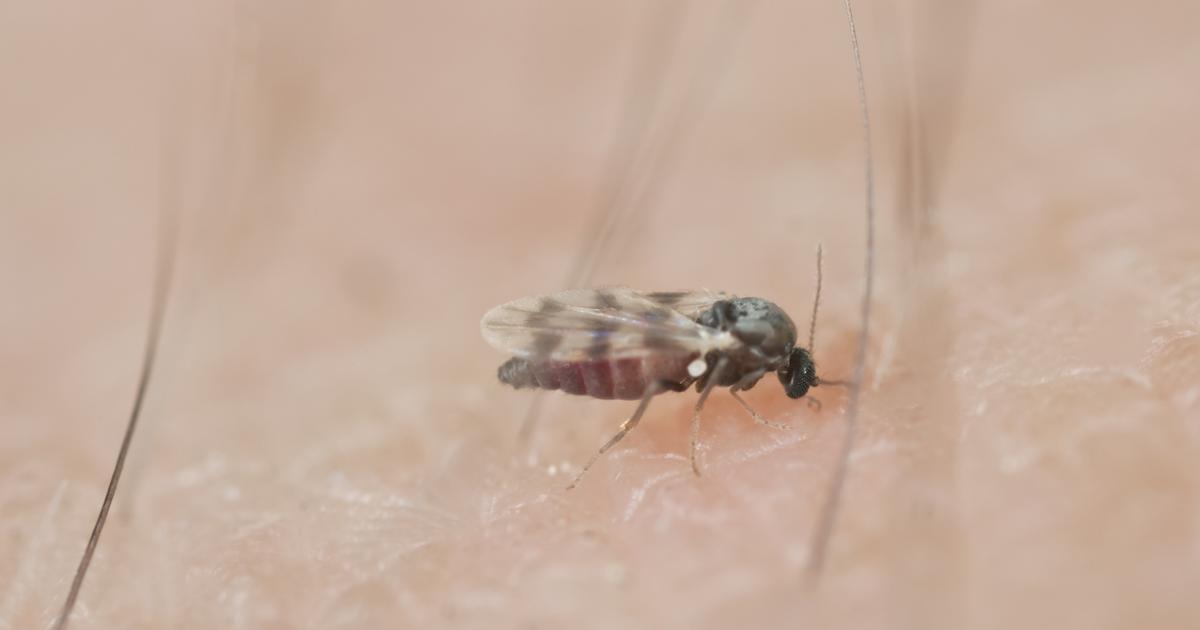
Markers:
(623, 379)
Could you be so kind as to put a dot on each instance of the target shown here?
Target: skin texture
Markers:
(325, 444)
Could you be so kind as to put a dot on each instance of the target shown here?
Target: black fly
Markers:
(616, 343)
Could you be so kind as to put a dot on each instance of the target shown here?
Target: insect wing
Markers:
(689, 303)
(582, 324)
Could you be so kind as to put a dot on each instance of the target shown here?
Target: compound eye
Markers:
(797, 387)
(799, 375)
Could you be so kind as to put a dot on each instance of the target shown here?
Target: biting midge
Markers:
(616, 343)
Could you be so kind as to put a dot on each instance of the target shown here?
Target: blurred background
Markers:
(324, 444)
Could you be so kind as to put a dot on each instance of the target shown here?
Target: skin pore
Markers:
(325, 444)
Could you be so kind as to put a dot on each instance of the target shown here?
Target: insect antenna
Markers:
(164, 270)
(812, 322)
(812, 329)
(827, 517)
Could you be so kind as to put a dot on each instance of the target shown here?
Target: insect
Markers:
(617, 343)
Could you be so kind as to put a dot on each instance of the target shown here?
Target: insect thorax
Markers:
(765, 332)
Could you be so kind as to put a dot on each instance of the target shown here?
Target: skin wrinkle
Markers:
(639, 494)
(27, 567)
(329, 447)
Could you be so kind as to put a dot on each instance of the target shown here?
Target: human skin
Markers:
(325, 444)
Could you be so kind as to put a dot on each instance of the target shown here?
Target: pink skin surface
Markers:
(326, 446)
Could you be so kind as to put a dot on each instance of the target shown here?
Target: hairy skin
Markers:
(326, 446)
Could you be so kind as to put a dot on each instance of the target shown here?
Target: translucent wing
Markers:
(584, 324)
(688, 303)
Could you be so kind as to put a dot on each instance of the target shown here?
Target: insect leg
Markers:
(627, 426)
(747, 381)
(754, 414)
(708, 386)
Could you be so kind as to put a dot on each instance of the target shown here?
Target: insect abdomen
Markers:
(623, 379)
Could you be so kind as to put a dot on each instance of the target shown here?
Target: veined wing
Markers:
(688, 303)
(581, 324)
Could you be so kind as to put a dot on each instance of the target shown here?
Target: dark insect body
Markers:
(616, 343)
(607, 379)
